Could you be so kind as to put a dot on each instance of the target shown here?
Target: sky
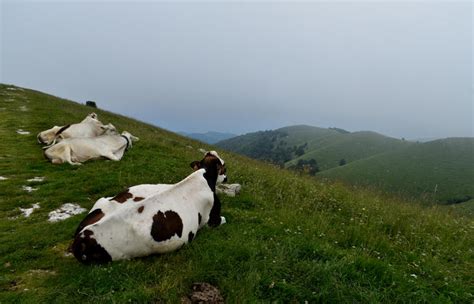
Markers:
(400, 68)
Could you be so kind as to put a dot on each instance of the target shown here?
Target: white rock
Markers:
(228, 189)
(36, 179)
(64, 212)
(28, 188)
(28, 211)
(22, 132)
(3, 178)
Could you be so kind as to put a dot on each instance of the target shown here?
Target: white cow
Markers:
(89, 127)
(107, 205)
(77, 150)
(160, 223)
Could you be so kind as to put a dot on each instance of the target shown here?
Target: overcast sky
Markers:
(402, 68)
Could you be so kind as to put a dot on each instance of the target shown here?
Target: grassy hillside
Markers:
(351, 147)
(277, 145)
(327, 146)
(289, 238)
(441, 169)
(444, 169)
(314, 136)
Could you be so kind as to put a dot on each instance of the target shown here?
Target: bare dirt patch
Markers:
(203, 293)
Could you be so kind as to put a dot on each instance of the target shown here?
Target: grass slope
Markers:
(444, 169)
(351, 147)
(314, 136)
(289, 238)
(295, 136)
(326, 146)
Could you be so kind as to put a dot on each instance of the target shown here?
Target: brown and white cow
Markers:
(88, 127)
(77, 150)
(134, 194)
(128, 225)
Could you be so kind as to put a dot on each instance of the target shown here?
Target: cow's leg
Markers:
(68, 156)
(215, 218)
(111, 156)
(119, 154)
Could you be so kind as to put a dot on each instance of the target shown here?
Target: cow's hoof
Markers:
(223, 221)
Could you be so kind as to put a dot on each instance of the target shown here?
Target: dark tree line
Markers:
(307, 166)
(273, 148)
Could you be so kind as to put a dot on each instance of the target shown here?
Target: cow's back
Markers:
(161, 223)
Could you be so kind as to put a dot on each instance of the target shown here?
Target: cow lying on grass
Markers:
(129, 226)
(134, 194)
(89, 127)
(77, 150)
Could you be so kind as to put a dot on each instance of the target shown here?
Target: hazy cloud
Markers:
(400, 68)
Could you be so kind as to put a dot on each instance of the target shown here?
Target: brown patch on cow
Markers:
(140, 210)
(138, 198)
(166, 225)
(196, 165)
(199, 218)
(222, 170)
(90, 219)
(190, 236)
(87, 250)
(88, 233)
(122, 196)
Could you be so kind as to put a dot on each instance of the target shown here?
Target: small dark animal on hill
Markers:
(92, 104)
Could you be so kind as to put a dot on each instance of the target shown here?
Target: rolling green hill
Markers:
(351, 147)
(288, 238)
(442, 169)
(286, 146)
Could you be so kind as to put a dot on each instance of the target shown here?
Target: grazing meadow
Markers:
(288, 237)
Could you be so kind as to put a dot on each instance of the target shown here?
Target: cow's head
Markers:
(109, 129)
(47, 137)
(91, 117)
(130, 138)
(211, 162)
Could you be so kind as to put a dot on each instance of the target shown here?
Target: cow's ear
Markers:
(196, 165)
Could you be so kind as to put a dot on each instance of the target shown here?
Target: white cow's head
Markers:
(130, 138)
(91, 117)
(212, 159)
(47, 137)
(109, 129)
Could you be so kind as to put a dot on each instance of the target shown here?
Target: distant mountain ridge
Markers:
(209, 137)
(442, 169)
(329, 147)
